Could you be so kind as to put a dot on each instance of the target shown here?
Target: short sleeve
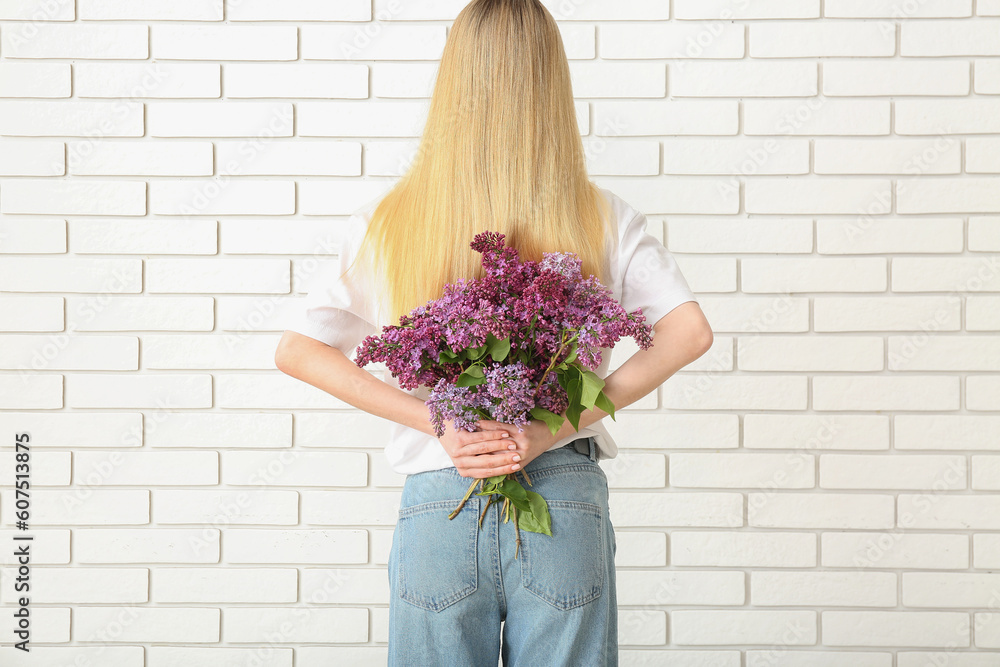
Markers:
(337, 310)
(651, 279)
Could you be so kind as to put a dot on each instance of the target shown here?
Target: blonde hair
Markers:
(501, 151)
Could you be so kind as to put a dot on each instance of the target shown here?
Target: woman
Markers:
(500, 151)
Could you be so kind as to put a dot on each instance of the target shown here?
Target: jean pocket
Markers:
(567, 568)
(437, 561)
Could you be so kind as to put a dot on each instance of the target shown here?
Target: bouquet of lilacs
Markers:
(518, 344)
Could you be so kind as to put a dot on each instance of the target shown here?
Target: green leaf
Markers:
(500, 349)
(573, 414)
(447, 357)
(471, 376)
(592, 384)
(537, 520)
(604, 403)
(551, 419)
(517, 494)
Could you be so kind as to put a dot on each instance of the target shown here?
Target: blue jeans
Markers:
(456, 588)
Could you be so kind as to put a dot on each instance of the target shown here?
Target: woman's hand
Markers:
(482, 453)
(532, 442)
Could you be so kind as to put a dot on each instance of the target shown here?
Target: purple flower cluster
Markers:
(545, 310)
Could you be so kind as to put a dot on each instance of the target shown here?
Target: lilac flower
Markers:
(512, 393)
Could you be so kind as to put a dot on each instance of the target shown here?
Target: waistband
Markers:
(586, 446)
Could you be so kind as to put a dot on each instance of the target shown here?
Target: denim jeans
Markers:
(456, 588)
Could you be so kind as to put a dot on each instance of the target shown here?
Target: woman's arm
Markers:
(329, 369)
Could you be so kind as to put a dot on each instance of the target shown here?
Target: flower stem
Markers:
(468, 493)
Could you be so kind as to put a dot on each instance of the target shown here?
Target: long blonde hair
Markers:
(501, 151)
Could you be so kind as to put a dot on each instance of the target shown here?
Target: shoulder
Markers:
(625, 216)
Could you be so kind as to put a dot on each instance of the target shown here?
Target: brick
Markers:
(54, 40)
(671, 40)
(684, 509)
(77, 429)
(59, 352)
(286, 625)
(296, 157)
(217, 430)
(979, 511)
(809, 39)
(275, 546)
(248, 390)
(638, 587)
(987, 77)
(981, 156)
(32, 157)
(27, 313)
(724, 9)
(74, 119)
(88, 197)
(743, 78)
(610, 79)
(744, 626)
(354, 585)
(140, 313)
(369, 119)
(896, 549)
(219, 275)
(816, 432)
(167, 237)
(910, 392)
(403, 80)
(982, 313)
(886, 313)
(749, 393)
(756, 313)
(222, 196)
(664, 195)
(32, 236)
(636, 470)
(825, 116)
(76, 585)
(944, 353)
(735, 156)
(753, 470)
(706, 548)
(948, 432)
(622, 157)
(881, 236)
(941, 274)
(915, 157)
(950, 38)
(34, 79)
(942, 116)
(895, 628)
(823, 589)
(213, 119)
(156, 80)
(820, 510)
(174, 158)
(623, 10)
(982, 392)
(827, 274)
(139, 391)
(151, 469)
(341, 197)
(810, 353)
(892, 471)
(381, 42)
(316, 238)
(225, 42)
(299, 80)
(782, 235)
(986, 549)
(893, 9)
(98, 507)
(235, 507)
(671, 117)
(209, 352)
(302, 469)
(68, 274)
(895, 77)
(151, 10)
(950, 589)
(774, 194)
(15, 10)
(300, 10)
(148, 624)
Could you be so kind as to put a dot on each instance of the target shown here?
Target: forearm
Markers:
(329, 369)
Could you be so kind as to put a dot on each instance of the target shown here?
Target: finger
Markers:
(488, 466)
(489, 445)
(491, 425)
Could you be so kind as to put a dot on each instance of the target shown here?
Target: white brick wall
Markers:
(821, 489)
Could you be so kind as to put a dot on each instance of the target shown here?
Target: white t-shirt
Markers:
(340, 314)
